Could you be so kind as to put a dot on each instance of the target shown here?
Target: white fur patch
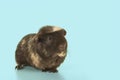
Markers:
(35, 59)
(62, 54)
(56, 28)
(23, 42)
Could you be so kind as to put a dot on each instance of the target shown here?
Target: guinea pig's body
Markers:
(44, 50)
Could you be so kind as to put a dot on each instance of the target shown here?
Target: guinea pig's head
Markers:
(51, 40)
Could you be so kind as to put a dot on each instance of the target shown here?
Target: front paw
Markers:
(50, 70)
(18, 67)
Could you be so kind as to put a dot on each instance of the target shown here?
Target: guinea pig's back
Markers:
(22, 49)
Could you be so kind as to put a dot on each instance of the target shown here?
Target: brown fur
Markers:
(45, 50)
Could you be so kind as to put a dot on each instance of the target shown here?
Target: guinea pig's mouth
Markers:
(62, 54)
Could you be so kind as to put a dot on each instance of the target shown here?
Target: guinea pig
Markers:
(44, 50)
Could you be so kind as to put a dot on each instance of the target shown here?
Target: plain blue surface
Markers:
(93, 34)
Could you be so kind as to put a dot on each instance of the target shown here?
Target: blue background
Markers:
(93, 34)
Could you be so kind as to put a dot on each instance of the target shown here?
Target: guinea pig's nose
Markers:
(62, 47)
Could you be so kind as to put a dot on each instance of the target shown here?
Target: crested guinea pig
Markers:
(44, 50)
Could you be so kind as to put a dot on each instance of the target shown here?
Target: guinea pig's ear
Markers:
(40, 39)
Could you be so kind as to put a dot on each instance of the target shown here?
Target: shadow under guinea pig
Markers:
(30, 73)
